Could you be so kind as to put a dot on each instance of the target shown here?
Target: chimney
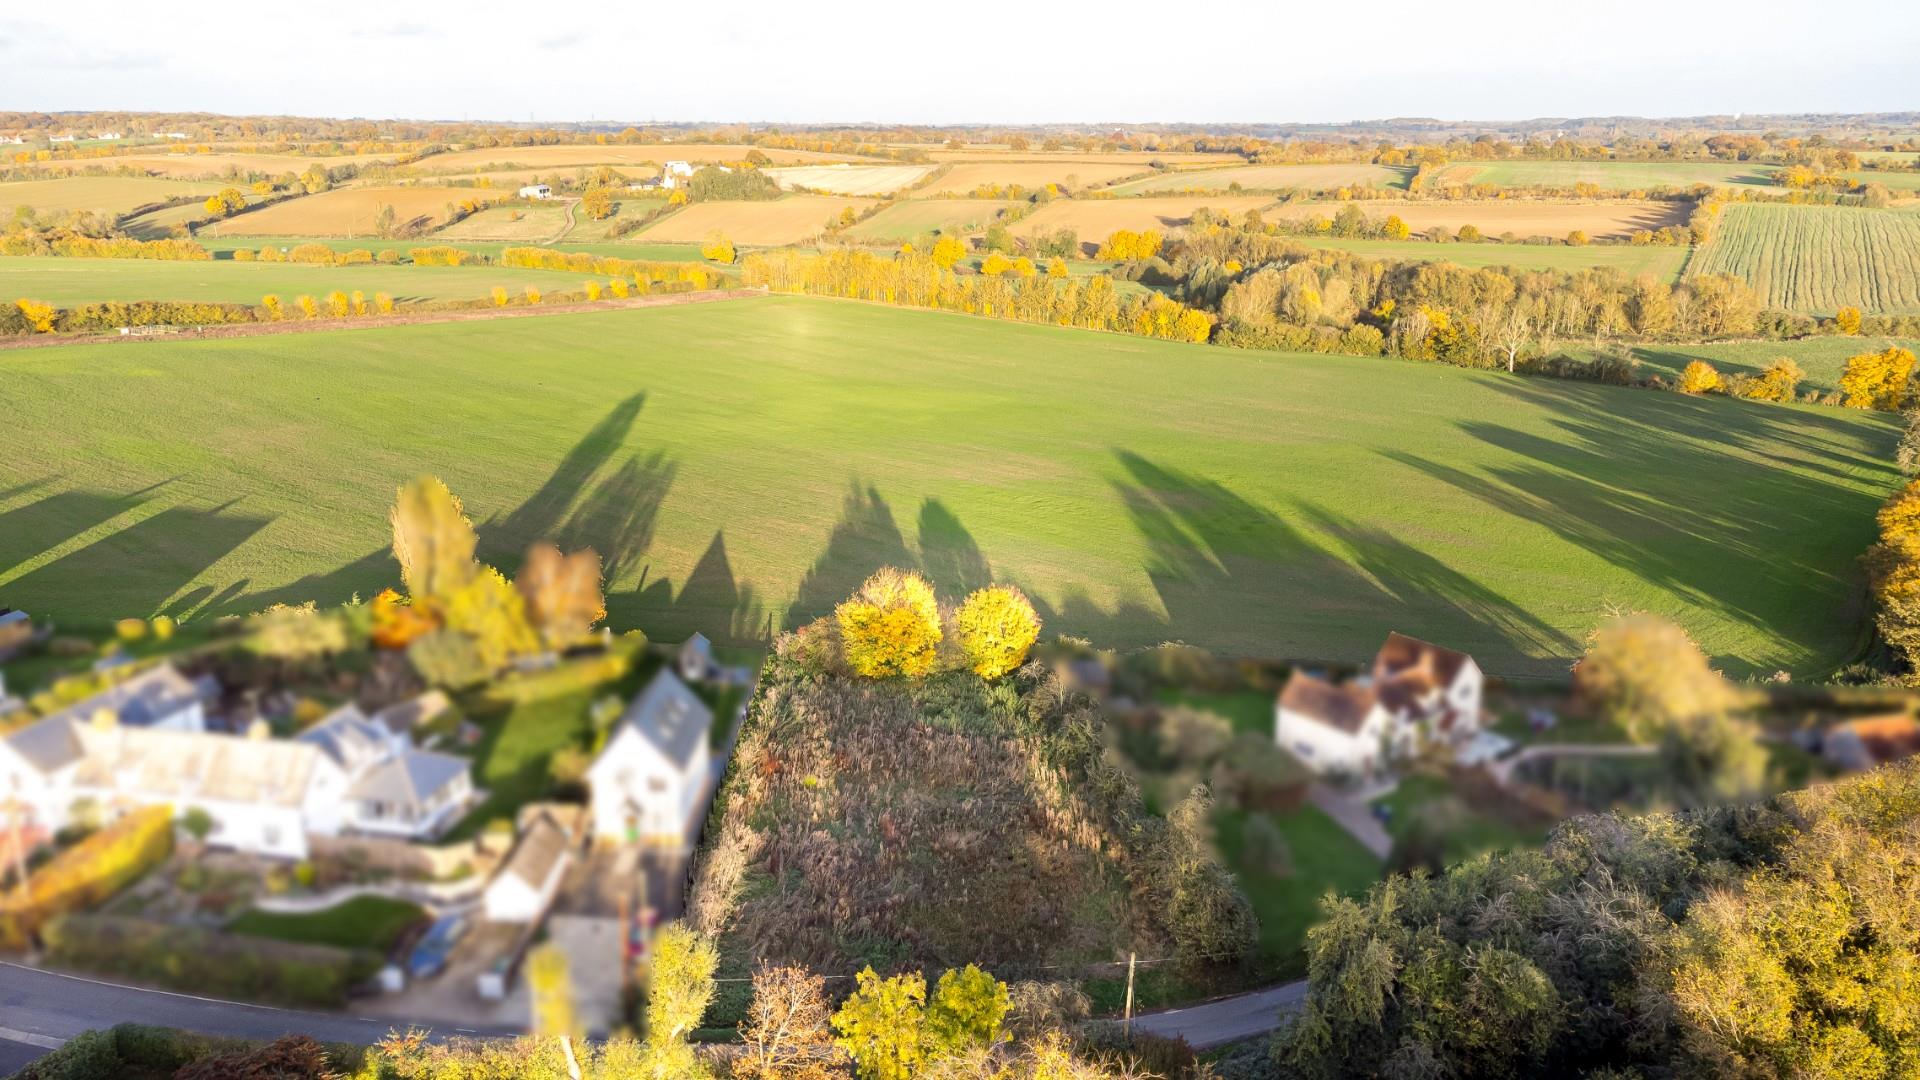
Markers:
(259, 730)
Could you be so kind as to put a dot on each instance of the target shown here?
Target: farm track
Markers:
(306, 326)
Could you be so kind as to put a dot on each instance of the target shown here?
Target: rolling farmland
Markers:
(222, 166)
(966, 176)
(496, 158)
(1524, 218)
(517, 223)
(348, 211)
(910, 218)
(850, 179)
(1279, 504)
(112, 195)
(1270, 178)
(1819, 258)
(1094, 219)
(66, 282)
(1609, 175)
(1662, 262)
(763, 224)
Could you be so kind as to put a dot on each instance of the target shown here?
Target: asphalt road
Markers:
(40, 1009)
(1229, 1020)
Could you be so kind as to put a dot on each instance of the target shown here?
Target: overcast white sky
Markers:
(923, 62)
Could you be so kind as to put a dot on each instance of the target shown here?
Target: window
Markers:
(656, 785)
(1303, 749)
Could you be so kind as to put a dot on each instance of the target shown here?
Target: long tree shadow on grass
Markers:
(37, 527)
(137, 570)
(1726, 508)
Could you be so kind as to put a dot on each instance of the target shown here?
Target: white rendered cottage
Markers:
(649, 779)
(1417, 694)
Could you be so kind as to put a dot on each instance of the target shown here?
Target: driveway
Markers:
(1228, 1020)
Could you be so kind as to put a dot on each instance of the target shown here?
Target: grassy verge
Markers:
(364, 922)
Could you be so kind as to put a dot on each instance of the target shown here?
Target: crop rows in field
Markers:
(1819, 258)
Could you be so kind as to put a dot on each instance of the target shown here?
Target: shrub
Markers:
(87, 873)
(533, 295)
(1847, 320)
(1779, 382)
(996, 626)
(717, 248)
(1877, 380)
(207, 961)
(1699, 377)
(499, 296)
(383, 303)
(130, 629)
(448, 658)
(891, 626)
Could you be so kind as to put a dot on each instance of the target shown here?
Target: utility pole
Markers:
(1127, 1025)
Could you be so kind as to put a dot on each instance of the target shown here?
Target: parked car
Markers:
(429, 958)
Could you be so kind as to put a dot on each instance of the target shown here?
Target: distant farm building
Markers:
(536, 191)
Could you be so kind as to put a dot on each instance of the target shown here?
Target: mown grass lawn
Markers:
(1323, 859)
(364, 922)
(1469, 832)
(741, 466)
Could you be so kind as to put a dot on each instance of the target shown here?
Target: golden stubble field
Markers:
(1094, 219)
(787, 220)
(493, 158)
(346, 211)
(850, 179)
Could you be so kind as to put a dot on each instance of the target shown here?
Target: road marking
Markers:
(469, 1031)
(45, 1042)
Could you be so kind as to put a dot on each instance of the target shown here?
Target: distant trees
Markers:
(1125, 245)
(891, 1031)
(947, 251)
(226, 203)
(598, 203)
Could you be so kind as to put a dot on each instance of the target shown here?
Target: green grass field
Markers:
(1822, 358)
(1609, 175)
(1903, 184)
(1664, 263)
(1819, 258)
(221, 246)
(909, 218)
(66, 282)
(741, 466)
(1270, 178)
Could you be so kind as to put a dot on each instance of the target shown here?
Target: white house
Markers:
(1417, 694)
(175, 135)
(346, 774)
(12, 140)
(536, 191)
(672, 172)
(61, 138)
(107, 136)
(648, 781)
(696, 658)
(524, 887)
(159, 697)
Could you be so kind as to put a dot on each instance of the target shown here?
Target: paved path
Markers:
(1354, 816)
(1229, 1020)
(1502, 771)
(39, 1010)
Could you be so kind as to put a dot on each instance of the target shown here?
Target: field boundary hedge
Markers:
(208, 961)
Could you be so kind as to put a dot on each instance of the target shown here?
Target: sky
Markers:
(1090, 62)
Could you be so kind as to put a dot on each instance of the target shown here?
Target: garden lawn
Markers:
(1250, 711)
(1473, 833)
(741, 466)
(1325, 859)
(364, 922)
(67, 282)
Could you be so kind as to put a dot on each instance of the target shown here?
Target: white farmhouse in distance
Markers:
(536, 191)
(648, 781)
(672, 172)
(1417, 694)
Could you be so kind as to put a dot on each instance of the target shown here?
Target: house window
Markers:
(1303, 749)
(656, 785)
(270, 835)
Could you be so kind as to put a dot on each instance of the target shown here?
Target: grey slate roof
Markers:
(670, 716)
(348, 737)
(541, 846)
(402, 718)
(141, 701)
(48, 744)
(410, 778)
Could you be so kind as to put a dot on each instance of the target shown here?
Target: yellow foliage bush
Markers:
(996, 264)
(996, 626)
(717, 248)
(891, 626)
(1877, 380)
(87, 873)
(1700, 377)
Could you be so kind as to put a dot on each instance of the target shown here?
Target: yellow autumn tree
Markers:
(717, 248)
(947, 251)
(1877, 380)
(1779, 382)
(491, 613)
(432, 540)
(339, 305)
(996, 626)
(533, 295)
(499, 296)
(271, 305)
(39, 315)
(383, 303)
(308, 306)
(1057, 268)
(1700, 377)
(996, 264)
(891, 626)
(561, 592)
(1847, 320)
